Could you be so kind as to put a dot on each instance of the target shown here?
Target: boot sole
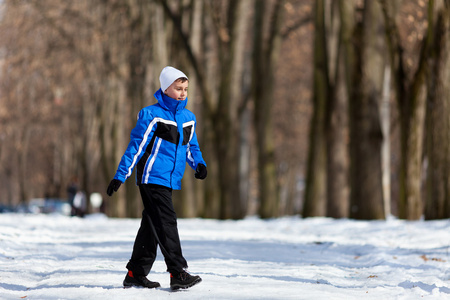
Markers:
(129, 285)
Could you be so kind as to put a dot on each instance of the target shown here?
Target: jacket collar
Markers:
(168, 103)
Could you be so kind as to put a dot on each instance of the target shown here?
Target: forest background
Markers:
(319, 108)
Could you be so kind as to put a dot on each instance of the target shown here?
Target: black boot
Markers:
(183, 280)
(142, 281)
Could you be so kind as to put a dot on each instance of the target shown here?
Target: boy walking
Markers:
(163, 140)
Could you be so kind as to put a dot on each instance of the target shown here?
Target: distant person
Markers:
(163, 140)
(79, 205)
(72, 190)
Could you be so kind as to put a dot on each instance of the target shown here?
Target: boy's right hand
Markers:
(113, 186)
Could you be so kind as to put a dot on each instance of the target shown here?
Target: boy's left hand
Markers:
(114, 185)
(201, 172)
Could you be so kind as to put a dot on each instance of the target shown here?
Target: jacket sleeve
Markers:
(193, 153)
(139, 138)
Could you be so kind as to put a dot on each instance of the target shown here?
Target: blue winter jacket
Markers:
(163, 140)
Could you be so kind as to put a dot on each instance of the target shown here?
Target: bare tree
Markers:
(33, 64)
(95, 59)
(352, 72)
(437, 197)
(410, 92)
(221, 111)
(315, 191)
(266, 49)
(366, 198)
(341, 24)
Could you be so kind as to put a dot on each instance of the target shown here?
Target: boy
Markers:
(163, 140)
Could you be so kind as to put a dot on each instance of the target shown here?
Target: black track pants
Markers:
(158, 227)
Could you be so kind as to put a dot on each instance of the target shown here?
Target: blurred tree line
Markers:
(349, 99)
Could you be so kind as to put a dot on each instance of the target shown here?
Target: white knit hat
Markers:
(168, 76)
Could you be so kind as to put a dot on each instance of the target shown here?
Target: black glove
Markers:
(113, 186)
(201, 172)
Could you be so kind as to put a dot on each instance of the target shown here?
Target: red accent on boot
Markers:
(130, 273)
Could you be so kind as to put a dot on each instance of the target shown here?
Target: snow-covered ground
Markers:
(58, 257)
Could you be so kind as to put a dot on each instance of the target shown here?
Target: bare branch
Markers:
(293, 27)
(194, 61)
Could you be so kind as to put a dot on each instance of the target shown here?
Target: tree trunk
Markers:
(366, 198)
(337, 128)
(228, 119)
(385, 115)
(23, 175)
(315, 190)
(437, 199)
(265, 57)
(410, 94)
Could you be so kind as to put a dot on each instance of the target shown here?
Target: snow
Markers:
(59, 257)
